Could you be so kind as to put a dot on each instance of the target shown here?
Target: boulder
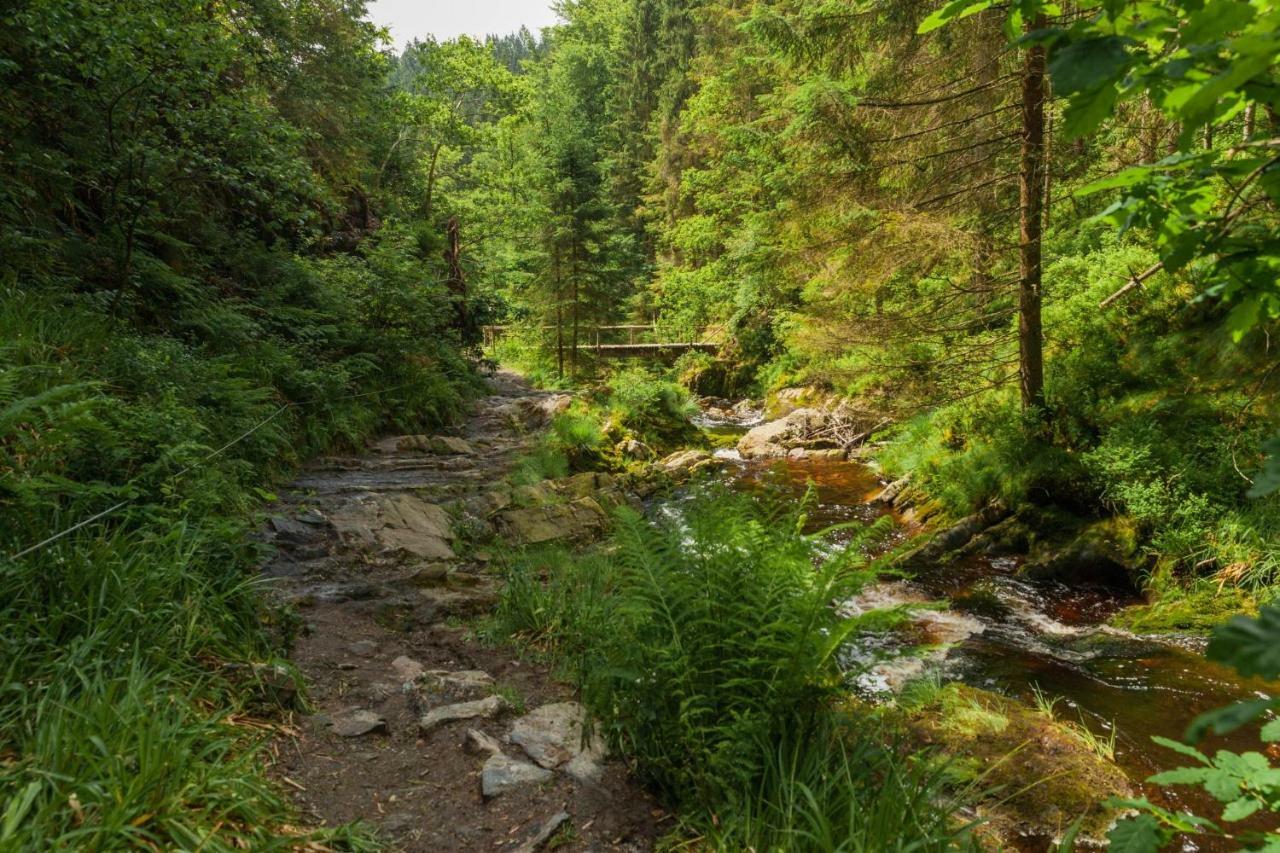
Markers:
(580, 519)
(552, 735)
(501, 774)
(398, 524)
(1101, 554)
(765, 441)
(688, 462)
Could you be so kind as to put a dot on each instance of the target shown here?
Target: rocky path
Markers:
(438, 741)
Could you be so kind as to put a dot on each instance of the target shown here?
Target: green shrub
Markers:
(655, 410)
(705, 643)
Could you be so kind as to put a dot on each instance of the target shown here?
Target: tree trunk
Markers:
(1031, 210)
(555, 256)
(431, 180)
(457, 282)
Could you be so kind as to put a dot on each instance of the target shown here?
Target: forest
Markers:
(861, 414)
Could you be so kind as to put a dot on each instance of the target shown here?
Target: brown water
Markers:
(1028, 636)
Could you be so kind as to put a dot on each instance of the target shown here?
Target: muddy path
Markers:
(436, 740)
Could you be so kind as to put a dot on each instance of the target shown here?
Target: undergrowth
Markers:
(705, 644)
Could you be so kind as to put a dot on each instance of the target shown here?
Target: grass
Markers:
(705, 645)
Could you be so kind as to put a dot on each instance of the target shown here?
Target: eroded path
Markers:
(440, 742)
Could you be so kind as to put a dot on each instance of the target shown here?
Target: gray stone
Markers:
(407, 669)
(490, 706)
(480, 743)
(501, 774)
(552, 735)
(363, 648)
(356, 723)
(466, 679)
(544, 833)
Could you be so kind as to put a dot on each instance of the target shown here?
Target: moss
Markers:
(1195, 609)
(1040, 774)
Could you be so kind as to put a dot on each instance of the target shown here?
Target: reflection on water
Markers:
(1015, 636)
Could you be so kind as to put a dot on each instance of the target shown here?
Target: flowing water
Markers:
(1019, 638)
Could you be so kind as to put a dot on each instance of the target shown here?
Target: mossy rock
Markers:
(981, 599)
(1041, 773)
(1105, 552)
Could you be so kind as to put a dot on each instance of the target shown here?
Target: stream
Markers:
(1025, 637)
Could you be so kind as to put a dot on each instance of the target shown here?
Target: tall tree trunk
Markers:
(1031, 210)
(431, 180)
(555, 259)
(457, 282)
(577, 272)
(1250, 120)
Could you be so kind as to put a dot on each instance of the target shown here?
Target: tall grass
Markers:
(706, 645)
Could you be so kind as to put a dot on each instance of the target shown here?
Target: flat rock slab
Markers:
(465, 679)
(490, 706)
(553, 737)
(578, 519)
(544, 833)
(357, 723)
(501, 774)
(438, 444)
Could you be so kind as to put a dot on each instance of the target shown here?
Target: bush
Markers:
(705, 644)
(655, 410)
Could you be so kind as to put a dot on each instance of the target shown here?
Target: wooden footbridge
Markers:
(641, 341)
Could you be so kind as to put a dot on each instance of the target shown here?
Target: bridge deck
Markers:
(643, 350)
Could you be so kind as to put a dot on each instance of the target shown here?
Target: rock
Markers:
(957, 535)
(429, 574)
(544, 833)
(466, 679)
(581, 519)
(477, 742)
(363, 648)
(631, 448)
(764, 441)
(441, 445)
(460, 598)
(415, 527)
(1101, 554)
(688, 462)
(357, 723)
(490, 706)
(292, 532)
(889, 494)
(500, 774)
(399, 524)
(552, 735)
(407, 669)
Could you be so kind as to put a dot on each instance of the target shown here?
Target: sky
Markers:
(444, 19)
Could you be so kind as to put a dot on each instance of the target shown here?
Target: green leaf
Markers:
(1223, 720)
(1240, 809)
(1182, 776)
(1271, 731)
(1138, 834)
(1086, 111)
(1181, 749)
(953, 11)
(1088, 64)
(1252, 646)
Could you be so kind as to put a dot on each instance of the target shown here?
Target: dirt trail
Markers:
(382, 554)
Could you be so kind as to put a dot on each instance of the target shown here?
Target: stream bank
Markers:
(997, 631)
